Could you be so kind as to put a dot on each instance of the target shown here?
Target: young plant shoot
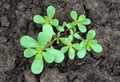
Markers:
(88, 44)
(43, 49)
(79, 21)
(40, 51)
(48, 22)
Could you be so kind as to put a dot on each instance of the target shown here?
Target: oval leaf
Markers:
(86, 21)
(49, 58)
(82, 28)
(81, 18)
(48, 29)
(29, 52)
(77, 36)
(37, 66)
(76, 46)
(64, 41)
(91, 34)
(55, 22)
(71, 53)
(73, 14)
(38, 19)
(59, 56)
(50, 12)
(70, 37)
(97, 48)
(81, 53)
(43, 39)
(28, 42)
(60, 28)
(64, 49)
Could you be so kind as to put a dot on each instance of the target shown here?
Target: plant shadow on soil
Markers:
(16, 21)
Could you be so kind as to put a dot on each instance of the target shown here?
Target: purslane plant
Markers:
(40, 51)
(67, 34)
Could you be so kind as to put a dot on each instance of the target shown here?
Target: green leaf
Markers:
(88, 48)
(55, 22)
(59, 56)
(48, 29)
(82, 28)
(71, 53)
(86, 21)
(81, 18)
(76, 46)
(70, 37)
(83, 44)
(77, 36)
(38, 19)
(64, 49)
(43, 39)
(93, 41)
(51, 11)
(37, 66)
(71, 31)
(97, 48)
(91, 34)
(60, 28)
(73, 14)
(64, 41)
(49, 58)
(81, 53)
(29, 53)
(28, 42)
(69, 25)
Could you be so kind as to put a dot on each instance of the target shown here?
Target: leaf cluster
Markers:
(67, 34)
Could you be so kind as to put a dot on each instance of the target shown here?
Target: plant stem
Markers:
(50, 43)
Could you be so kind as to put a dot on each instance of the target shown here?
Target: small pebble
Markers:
(4, 21)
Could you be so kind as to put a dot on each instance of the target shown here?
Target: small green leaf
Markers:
(48, 29)
(81, 18)
(59, 56)
(64, 49)
(81, 53)
(77, 36)
(29, 53)
(43, 39)
(88, 48)
(37, 66)
(93, 41)
(28, 42)
(71, 53)
(76, 46)
(83, 44)
(51, 11)
(86, 21)
(73, 14)
(55, 22)
(82, 28)
(70, 37)
(64, 41)
(91, 34)
(60, 28)
(71, 31)
(97, 48)
(49, 58)
(39, 19)
(69, 25)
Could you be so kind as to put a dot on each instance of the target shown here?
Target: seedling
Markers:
(48, 22)
(39, 50)
(88, 44)
(66, 35)
(71, 48)
(80, 22)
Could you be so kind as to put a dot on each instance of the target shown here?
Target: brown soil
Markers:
(16, 21)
